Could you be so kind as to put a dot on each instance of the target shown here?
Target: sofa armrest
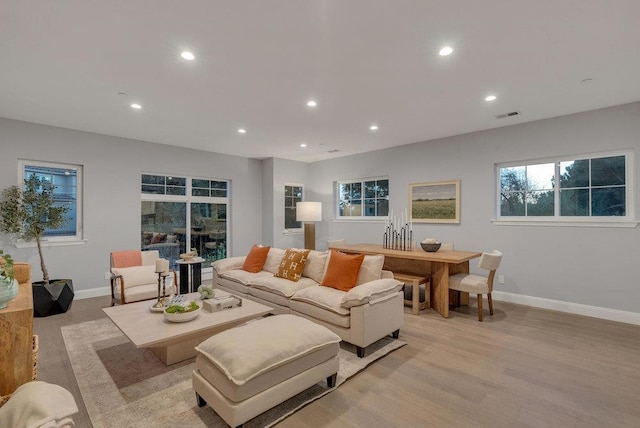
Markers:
(230, 263)
(386, 274)
(369, 291)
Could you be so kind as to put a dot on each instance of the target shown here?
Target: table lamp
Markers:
(309, 213)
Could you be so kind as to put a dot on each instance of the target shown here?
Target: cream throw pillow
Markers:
(137, 275)
(316, 262)
(371, 268)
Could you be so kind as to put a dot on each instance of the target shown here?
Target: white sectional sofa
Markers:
(361, 316)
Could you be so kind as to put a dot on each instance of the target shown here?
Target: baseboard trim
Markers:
(92, 292)
(572, 308)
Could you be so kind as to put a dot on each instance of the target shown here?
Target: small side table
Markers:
(190, 281)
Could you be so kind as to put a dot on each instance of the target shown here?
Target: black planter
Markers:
(52, 299)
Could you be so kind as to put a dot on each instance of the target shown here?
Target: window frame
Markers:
(188, 198)
(297, 230)
(57, 240)
(362, 182)
(628, 220)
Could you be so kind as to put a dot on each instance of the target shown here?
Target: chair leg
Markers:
(415, 297)
(490, 303)
(480, 307)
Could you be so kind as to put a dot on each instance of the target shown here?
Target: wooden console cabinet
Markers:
(16, 341)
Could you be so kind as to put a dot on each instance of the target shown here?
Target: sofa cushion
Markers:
(273, 260)
(314, 268)
(371, 268)
(316, 313)
(224, 265)
(137, 275)
(235, 353)
(292, 264)
(342, 270)
(281, 286)
(364, 293)
(255, 259)
(324, 297)
(244, 277)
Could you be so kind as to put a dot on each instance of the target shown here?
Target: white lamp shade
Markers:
(308, 211)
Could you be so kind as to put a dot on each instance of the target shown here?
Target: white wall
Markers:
(277, 173)
(588, 266)
(112, 168)
(595, 267)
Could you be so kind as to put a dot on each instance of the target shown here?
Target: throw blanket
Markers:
(39, 405)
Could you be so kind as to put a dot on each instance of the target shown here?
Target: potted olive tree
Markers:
(26, 213)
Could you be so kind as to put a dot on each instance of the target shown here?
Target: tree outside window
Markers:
(588, 187)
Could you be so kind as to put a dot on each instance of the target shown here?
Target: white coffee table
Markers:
(175, 342)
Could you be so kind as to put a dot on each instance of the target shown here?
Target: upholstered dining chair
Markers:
(446, 246)
(476, 284)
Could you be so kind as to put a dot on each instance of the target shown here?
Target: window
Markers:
(363, 198)
(66, 181)
(293, 193)
(566, 189)
(181, 213)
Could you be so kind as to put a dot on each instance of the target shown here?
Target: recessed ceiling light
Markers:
(445, 51)
(136, 106)
(188, 56)
(373, 127)
(303, 145)
(490, 98)
(242, 131)
(311, 103)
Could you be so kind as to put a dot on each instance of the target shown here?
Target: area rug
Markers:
(123, 386)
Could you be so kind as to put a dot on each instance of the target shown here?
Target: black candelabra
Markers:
(398, 235)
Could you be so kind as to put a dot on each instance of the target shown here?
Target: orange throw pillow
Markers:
(255, 259)
(342, 270)
(292, 264)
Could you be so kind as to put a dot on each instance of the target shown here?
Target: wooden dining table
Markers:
(436, 265)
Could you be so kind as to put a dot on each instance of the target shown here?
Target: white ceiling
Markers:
(64, 62)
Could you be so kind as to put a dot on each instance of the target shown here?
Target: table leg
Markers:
(196, 278)
(184, 278)
(440, 288)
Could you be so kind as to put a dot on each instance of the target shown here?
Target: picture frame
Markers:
(435, 202)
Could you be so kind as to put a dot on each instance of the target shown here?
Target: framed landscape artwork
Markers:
(436, 202)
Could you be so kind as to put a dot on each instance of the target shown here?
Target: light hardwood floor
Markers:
(521, 367)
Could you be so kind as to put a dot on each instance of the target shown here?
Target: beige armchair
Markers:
(476, 284)
(134, 277)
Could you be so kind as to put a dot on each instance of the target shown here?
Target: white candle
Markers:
(159, 266)
(165, 266)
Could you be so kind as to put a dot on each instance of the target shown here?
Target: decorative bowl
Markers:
(430, 248)
(181, 316)
(187, 256)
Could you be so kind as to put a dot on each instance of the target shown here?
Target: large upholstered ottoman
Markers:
(244, 371)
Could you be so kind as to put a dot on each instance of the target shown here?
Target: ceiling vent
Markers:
(333, 151)
(502, 116)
